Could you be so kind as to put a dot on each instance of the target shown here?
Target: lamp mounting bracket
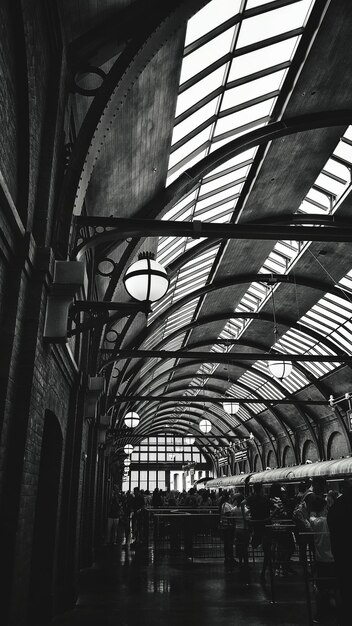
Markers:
(97, 313)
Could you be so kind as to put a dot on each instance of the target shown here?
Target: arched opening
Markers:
(288, 457)
(337, 446)
(309, 452)
(270, 462)
(45, 523)
(256, 464)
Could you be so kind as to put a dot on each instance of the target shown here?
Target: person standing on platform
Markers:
(323, 558)
(259, 509)
(114, 513)
(227, 528)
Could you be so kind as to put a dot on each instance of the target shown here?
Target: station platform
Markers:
(130, 587)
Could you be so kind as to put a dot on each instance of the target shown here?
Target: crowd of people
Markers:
(314, 519)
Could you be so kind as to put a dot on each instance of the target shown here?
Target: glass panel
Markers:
(194, 120)
(251, 4)
(211, 16)
(199, 90)
(263, 58)
(252, 89)
(230, 178)
(344, 151)
(235, 120)
(273, 23)
(205, 55)
(189, 146)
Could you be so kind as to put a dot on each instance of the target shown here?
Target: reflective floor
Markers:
(129, 588)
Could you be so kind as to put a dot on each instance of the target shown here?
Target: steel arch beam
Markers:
(314, 229)
(231, 282)
(286, 400)
(265, 428)
(254, 416)
(261, 316)
(189, 179)
(149, 36)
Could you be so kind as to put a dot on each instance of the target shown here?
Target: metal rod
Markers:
(214, 357)
(211, 399)
(316, 229)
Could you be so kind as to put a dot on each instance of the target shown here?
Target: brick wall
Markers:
(8, 99)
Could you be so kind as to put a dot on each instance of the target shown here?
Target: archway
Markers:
(337, 446)
(309, 452)
(256, 463)
(288, 457)
(45, 524)
(270, 462)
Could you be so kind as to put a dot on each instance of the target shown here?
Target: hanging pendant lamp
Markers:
(282, 368)
(205, 426)
(231, 407)
(131, 419)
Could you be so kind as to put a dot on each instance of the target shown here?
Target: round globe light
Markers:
(146, 280)
(231, 407)
(205, 426)
(280, 369)
(128, 449)
(127, 462)
(131, 419)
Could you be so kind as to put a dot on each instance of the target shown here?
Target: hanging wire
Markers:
(335, 282)
(276, 329)
(296, 299)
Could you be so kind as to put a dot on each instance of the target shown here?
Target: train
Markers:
(334, 472)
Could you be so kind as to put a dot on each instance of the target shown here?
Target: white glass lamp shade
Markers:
(146, 280)
(128, 449)
(127, 462)
(280, 369)
(231, 407)
(189, 440)
(205, 426)
(131, 419)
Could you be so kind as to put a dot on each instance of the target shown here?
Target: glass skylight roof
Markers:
(230, 81)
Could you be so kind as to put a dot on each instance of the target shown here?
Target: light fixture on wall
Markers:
(205, 426)
(146, 280)
(128, 449)
(127, 462)
(131, 419)
(231, 407)
(282, 368)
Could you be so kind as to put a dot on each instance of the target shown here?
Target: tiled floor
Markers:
(128, 588)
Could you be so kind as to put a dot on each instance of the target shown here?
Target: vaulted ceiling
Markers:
(233, 113)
